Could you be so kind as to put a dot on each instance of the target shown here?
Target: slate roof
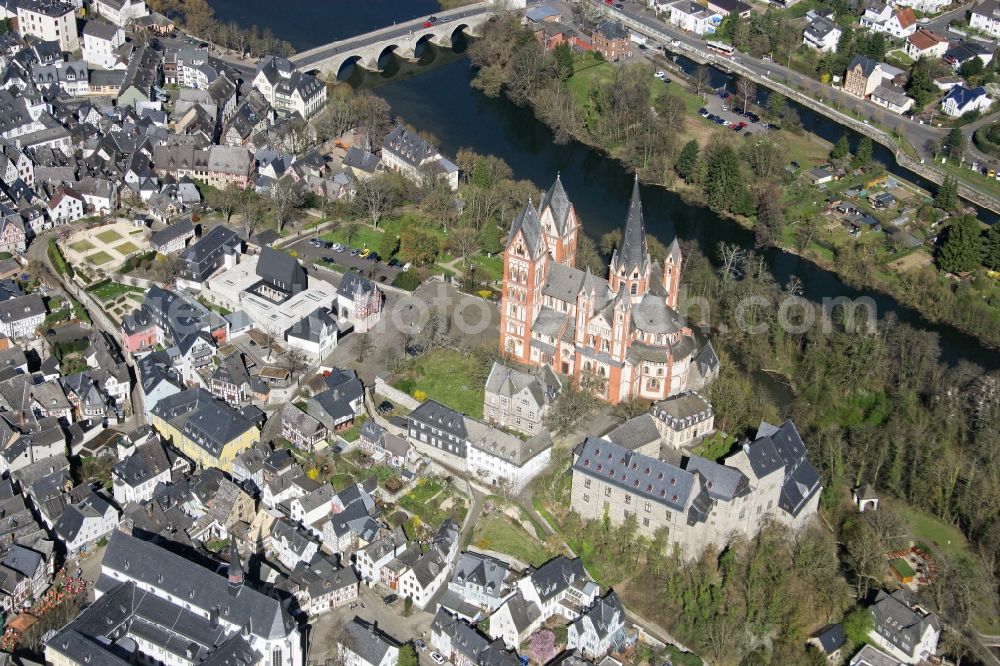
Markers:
(528, 222)
(318, 325)
(542, 383)
(831, 637)
(21, 308)
(556, 200)
(281, 269)
(633, 253)
(484, 572)
(556, 575)
(899, 624)
(367, 641)
(356, 158)
(868, 66)
(409, 146)
(782, 447)
(206, 421)
(635, 433)
(179, 229)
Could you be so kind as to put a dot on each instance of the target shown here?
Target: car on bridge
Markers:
(428, 24)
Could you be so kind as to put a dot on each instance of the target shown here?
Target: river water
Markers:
(436, 96)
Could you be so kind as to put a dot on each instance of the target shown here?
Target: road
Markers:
(313, 56)
(923, 137)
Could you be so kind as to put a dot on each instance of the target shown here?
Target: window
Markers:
(645, 522)
(607, 491)
(586, 497)
(670, 515)
(586, 483)
(628, 499)
(634, 289)
(649, 507)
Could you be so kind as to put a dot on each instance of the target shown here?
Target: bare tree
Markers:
(249, 208)
(366, 345)
(702, 80)
(746, 89)
(287, 198)
(464, 241)
(374, 198)
(228, 201)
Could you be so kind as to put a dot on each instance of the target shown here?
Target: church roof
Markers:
(633, 252)
(530, 225)
(556, 200)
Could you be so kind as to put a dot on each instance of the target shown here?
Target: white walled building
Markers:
(121, 12)
(100, 40)
(49, 20)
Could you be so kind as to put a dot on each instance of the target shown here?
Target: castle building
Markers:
(625, 329)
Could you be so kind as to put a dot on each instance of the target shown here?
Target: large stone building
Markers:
(623, 330)
(700, 502)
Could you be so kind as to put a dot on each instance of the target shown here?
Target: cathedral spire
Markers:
(634, 253)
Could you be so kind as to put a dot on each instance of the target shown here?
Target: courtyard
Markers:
(104, 248)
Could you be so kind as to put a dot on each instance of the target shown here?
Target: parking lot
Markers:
(378, 271)
(725, 116)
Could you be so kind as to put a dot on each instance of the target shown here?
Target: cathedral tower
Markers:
(630, 264)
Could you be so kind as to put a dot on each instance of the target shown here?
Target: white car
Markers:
(437, 658)
(407, 266)
(661, 75)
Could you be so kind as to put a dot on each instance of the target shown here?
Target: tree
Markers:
(946, 197)
(841, 149)
(857, 625)
(724, 182)
(491, 238)
(374, 198)
(991, 248)
(776, 104)
(249, 206)
(670, 108)
(287, 198)
(687, 162)
(962, 250)
(366, 345)
(573, 406)
(543, 646)
(407, 656)
(388, 245)
(418, 246)
(746, 89)
(610, 241)
(564, 60)
(863, 155)
(464, 242)
(702, 80)
(955, 143)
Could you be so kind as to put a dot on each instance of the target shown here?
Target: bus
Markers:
(719, 47)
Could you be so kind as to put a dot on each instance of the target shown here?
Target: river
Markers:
(436, 96)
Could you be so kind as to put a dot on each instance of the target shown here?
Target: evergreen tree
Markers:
(946, 197)
(962, 250)
(564, 60)
(687, 161)
(490, 238)
(955, 143)
(724, 182)
(841, 150)
(991, 249)
(863, 155)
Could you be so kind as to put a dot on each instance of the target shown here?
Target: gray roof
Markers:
(21, 308)
(633, 253)
(482, 571)
(682, 410)
(352, 283)
(529, 224)
(557, 575)
(356, 158)
(408, 145)
(635, 433)
(653, 315)
(868, 66)
(831, 637)
(179, 229)
(899, 624)
(316, 326)
(720, 481)
(558, 202)
(281, 269)
(208, 422)
(154, 567)
(542, 383)
(777, 447)
(100, 30)
(641, 475)
(367, 641)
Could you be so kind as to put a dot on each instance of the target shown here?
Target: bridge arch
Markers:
(346, 65)
(385, 53)
(458, 30)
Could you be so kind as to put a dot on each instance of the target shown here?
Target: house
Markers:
(422, 580)
(822, 34)
(85, 521)
(926, 43)
(21, 316)
(121, 12)
(13, 236)
(862, 77)
(217, 248)
(364, 644)
(101, 42)
(600, 629)
(961, 100)
(821, 175)
(385, 446)
(701, 502)
(925, 6)
(315, 334)
(231, 380)
(908, 633)
(693, 17)
(49, 21)
(206, 430)
(461, 643)
(303, 431)
(322, 584)
(881, 18)
(893, 98)
(174, 237)
(142, 73)
(158, 378)
(25, 572)
(351, 524)
(288, 90)
(140, 581)
(683, 419)
(829, 640)
(869, 655)
(70, 77)
(962, 52)
(370, 559)
(290, 544)
(518, 399)
(480, 582)
(496, 457)
(359, 302)
(135, 477)
(408, 153)
(985, 16)
(611, 39)
(361, 163)
(338, 406)
(66, 205)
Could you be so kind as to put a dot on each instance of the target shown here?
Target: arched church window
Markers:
(635, 288)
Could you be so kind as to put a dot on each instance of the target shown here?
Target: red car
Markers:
(428, 24)
(609, 2)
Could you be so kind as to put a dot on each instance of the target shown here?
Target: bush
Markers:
(57, 259)
(408, 281)
(419, 395)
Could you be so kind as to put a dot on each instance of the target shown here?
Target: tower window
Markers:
(635, 288)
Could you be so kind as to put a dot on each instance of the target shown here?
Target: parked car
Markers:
(428, 24)
(364, 253)
(385, 407)
(315, 241)
(390, 598)
(420, 645)
(329, 260)
(355, 251)
(433, 19)
(393, 263)
(703, 112)
(435, 657)
(407, 266)
(373, 257)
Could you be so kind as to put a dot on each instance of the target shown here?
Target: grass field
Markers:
(82, 246)
(444, 375)
(715, 447)
(99, 258)
(425, 501)
(933, 532)
(499, 533)
(109, 236)
(127, 248)
(109, 291)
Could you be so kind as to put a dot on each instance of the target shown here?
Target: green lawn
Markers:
(99, 258)
(82, 246)
(585, 80)
(127, 248)
(109, 291)
(499, 533)
(366, 236)
(109, 236)
(715, 447)
(444, 375)
(933, 532)
(426, 499)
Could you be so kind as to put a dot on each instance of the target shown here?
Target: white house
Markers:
(135, 477)
(961, 100)
(65, 206)
(506, 459)
(121, 12)
(422, 580)
(370, 559)
(693, 17)
(364, 644)
(986, 17)
(875, 17)
(100, 40)
(86, 521)
(290, 545)
(925, 6)
(906, 632)
(50, 21)
(287, 89)
(600, 629)
(20, 317)
(822, 34)
(893, 98)
(408, 153)
(315, 334)
(926, 43)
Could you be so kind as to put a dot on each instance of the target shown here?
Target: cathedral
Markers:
(624, 329)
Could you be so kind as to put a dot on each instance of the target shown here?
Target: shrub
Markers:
(57, 259)
(420, 395)
(408, 281)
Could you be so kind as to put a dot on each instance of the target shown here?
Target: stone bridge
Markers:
(403, 39)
